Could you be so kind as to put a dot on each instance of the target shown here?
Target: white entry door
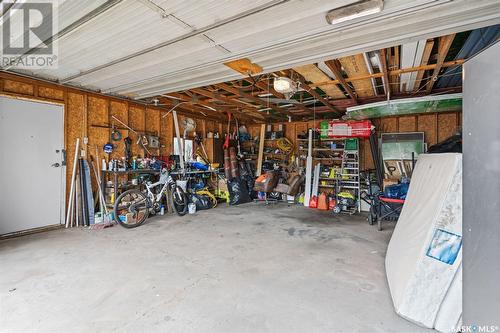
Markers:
(32, 177)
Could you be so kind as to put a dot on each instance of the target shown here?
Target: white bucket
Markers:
(192, 208)
(182, 184)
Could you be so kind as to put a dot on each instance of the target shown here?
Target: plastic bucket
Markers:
(192, 208)
(182, 184)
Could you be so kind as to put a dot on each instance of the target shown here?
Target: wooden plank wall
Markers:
(436, 126)
(85, 111)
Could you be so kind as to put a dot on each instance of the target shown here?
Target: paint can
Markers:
(192, 208)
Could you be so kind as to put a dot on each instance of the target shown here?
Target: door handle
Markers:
(63, 157)
(56, 165)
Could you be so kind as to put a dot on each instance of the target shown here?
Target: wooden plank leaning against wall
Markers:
(436, 126)
(87, 114)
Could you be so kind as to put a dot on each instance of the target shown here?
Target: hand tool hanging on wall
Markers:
(142, 139)
(115, 134)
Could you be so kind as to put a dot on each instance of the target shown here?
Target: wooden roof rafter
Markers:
(311, 91)
(213, 107)
(393, 72)
(429, 45)
(335, 66)
(239, 105)
(443, 48)
(269, 89)
(191, 110)
(238, 92)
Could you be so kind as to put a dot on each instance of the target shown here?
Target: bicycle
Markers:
(132, 207)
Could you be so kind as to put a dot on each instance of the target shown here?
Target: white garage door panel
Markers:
(31, 141)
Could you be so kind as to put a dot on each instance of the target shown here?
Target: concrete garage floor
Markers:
(250, 268)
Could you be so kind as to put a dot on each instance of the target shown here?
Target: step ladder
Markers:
(349, 179)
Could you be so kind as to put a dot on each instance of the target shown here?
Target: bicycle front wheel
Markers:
(131, 208)
(179, 200)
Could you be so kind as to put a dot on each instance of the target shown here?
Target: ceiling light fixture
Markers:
(356, 10)
(285, 86)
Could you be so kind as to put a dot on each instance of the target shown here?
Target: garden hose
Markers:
(285, 145)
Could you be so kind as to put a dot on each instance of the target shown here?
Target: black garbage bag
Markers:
(453, 144)
(201, 201)
(238, 192)
(249, 181)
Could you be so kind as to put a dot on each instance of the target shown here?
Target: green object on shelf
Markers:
(351, 144)
(323, 129)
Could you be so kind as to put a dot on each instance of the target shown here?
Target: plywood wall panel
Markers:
(137, 118)
(301, 128)
(366, 155)
(137, 121)
(166, 134)
(74, 110)
(18, 87)
(153, 124)
(97, 115)
(97, 111)
(447, 125)
(152, 121)
(51, 93)
(388, 125)
(120, 111)
(210, 126)
(428, 124)
(407, 124)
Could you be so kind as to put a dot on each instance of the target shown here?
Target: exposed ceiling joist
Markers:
(354, 65)
(269, 89)
(313, 92)
(393, 72)
(209, 106)
(189, 109)
(257, 100)
(236, 103)
(429, 45)
(266, 88)
(444, 46)
(335, 67)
